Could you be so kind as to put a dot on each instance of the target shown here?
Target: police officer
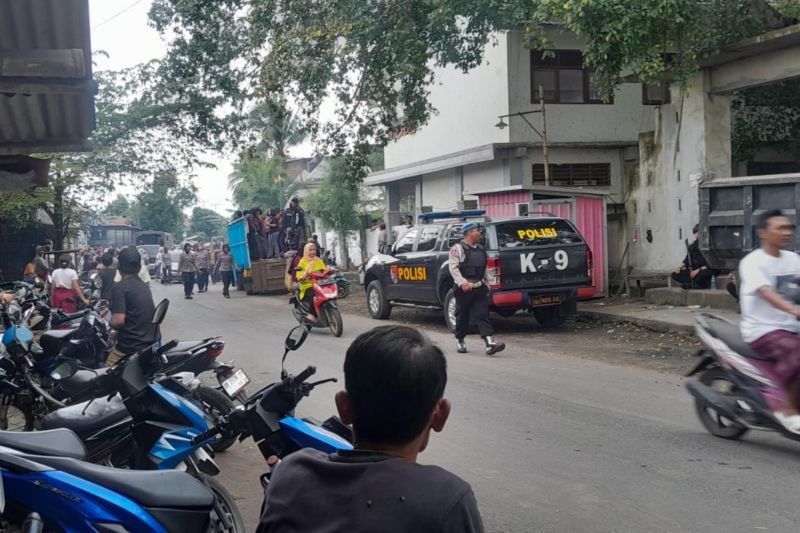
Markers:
(468, 268)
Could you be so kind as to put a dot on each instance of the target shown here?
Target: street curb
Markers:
(658, 326)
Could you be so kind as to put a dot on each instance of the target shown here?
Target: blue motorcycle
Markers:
(45, 485)
(268, 415)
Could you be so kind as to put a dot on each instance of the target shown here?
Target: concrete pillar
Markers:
(393, 196)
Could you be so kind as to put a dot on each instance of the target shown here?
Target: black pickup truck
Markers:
(537, 264)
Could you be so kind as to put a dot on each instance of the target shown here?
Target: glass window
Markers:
(655, 94)
(406, 242)
(428, 238)
(535, 232)
(547, 79)
(595, 94)
(570, 83)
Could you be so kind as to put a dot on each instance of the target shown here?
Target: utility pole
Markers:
(544, 139)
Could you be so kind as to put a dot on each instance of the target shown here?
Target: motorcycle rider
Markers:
(467, 266)
(308, 264)
(769, 316)
(394, 387)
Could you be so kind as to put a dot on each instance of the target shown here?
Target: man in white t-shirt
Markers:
(769, 287)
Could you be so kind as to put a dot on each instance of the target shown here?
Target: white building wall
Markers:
(483, 176)
(468, 106)
(620, 121)
(441, 190)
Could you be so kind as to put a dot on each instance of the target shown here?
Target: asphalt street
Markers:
(549, 441)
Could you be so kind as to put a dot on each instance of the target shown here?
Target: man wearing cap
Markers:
(467, 265)
(294, 223)
(132, 309)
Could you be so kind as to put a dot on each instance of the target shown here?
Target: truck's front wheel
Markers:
(377, 304)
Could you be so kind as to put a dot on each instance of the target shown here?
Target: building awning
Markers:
(479, 154)
(46, 85)
(540, 189)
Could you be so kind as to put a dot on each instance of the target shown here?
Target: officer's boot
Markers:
(461, 346)
(493, 347)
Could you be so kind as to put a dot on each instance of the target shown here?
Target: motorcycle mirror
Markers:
(161, 311)
(65, 370)
(295, 339)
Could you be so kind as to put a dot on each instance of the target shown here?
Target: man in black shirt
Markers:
(394, 380)
(132, 309)
(107, 273)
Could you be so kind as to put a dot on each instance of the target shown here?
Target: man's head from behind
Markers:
(129, 261)
(775, 229)
(394, 380)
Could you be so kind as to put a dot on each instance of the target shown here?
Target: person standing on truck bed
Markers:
(467, 266)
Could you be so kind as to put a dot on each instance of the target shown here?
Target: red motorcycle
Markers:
(326, 292)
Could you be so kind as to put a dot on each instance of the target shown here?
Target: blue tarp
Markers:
(237, 239)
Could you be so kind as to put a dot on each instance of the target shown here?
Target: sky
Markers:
(119, 27)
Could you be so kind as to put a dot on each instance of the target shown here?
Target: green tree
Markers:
(21, 209)
(207, 222)
(161, 205)
(375, 60)
(261, 182)
(120, 206)
(275, 127)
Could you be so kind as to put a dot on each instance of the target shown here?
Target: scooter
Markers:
(326, 293)
(46, 485)
(268, 416)
(735, 390)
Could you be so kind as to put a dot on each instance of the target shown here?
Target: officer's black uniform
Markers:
(473, 307)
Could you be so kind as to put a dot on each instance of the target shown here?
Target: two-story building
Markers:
(461, 159)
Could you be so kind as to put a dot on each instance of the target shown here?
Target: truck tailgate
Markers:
(544, 266)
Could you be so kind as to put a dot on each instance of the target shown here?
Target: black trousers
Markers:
(701, 281)
(473, 308)
(188, 283)
(227, 278)
(202, 279)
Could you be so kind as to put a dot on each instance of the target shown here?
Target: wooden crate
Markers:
(268, 276)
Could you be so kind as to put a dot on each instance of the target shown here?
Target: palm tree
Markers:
(277, 126)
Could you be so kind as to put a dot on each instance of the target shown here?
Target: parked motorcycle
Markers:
(342, 283)
(735, 390)
(46, 485)
(145, 425)
(326, 293)
(268, 416)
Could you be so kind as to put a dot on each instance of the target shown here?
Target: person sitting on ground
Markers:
(132, 309)
(770, 315)
(394, 396)
(308, 264)
(693, 272)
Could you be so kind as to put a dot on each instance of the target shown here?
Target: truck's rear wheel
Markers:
(549, 317)
(377, 304)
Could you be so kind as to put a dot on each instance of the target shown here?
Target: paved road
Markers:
(549, 442)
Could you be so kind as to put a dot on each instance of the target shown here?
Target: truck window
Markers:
(535, 232)
(428, 238)
(406, 242)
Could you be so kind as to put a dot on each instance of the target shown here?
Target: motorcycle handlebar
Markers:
(302, 376)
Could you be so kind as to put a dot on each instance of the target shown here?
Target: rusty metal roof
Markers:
(46, 86)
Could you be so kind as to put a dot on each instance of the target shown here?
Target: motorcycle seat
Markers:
(183, 347)
(77, 382)
(159, 488)
(730, 334)
(52, 340)
(61, 442)
(100, 413)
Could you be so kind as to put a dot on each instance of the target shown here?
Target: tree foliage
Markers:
(372, 62)
(120, 206)
(258, 181)
(20, 209)
(161, 205)
(767, 116)
(207, 222)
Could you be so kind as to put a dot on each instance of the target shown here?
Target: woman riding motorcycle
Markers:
(308, 264)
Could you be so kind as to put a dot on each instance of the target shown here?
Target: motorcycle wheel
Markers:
(226, 517)
(335, 321)
(15, 418)
(299, 315)
(344, 288)
(217, 404)
(714, 422)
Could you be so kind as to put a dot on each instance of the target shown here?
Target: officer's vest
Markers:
(474, 264)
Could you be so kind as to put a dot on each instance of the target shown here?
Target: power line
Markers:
(112, 17)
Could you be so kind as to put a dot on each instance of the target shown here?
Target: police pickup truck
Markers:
(536, 263)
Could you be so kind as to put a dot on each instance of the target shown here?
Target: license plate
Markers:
(234, 384)
(550, 299)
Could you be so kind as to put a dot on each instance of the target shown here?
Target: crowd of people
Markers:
(272, 233)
